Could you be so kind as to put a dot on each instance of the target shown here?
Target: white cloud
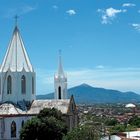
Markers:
(100, 67)
(124, 79)
(100, 10)
(27, 9)
(71, 12)
(136, 26)
(129, 5)
(109, 14)
(10, 13)
(55, 7)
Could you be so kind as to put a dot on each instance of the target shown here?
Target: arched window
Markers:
(33, 86)
(59, 93)
(22, 124)
(72, 107)
(23, 84)
(9, 85)
(13, 129)
(0, 85)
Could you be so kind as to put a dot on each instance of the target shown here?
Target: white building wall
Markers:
(8, 122)
(0, 88)
(112, 137)
(60, 82)
(16, 94)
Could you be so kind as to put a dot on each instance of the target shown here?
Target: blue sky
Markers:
(99, 39)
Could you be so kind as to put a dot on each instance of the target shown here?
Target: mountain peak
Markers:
(84, 85)
(86, 94)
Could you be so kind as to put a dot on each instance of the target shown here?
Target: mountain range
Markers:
(86, 94)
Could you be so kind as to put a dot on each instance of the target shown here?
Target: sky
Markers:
(99, 39)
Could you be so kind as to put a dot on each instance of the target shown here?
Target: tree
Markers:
(85, 132)
(117, 128)
(111, 122)
(135, 121)
(47, 124)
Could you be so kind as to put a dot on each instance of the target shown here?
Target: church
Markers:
(18, 91)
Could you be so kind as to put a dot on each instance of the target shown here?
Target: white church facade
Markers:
(18, 91)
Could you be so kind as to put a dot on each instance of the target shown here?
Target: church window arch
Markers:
(0, 85)
(13, 129)
(9, 84)
(72, 107)
(33, 86)
(22, 124)
(23, 84)
(59, 92)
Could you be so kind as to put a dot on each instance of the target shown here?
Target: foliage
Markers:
(117, 128)
(130, 128)
(47, 124)
(121, 128)
(49, 113)
(135, 121)
(30, 128)
(111, 122)
(85, 132)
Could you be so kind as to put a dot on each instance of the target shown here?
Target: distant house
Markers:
(113, 137)
(132, 135)
(18, 91)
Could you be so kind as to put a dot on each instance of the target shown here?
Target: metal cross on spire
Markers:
(16, 19)
(60, 52)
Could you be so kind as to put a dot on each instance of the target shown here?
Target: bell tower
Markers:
(17, 76)
(60, 82)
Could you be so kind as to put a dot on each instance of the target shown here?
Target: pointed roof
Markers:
(60, 72)
(38, 105)
(16, 58)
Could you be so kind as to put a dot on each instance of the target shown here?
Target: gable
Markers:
(72, 109)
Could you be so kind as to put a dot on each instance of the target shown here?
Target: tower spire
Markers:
(60, 81)
(60, 67)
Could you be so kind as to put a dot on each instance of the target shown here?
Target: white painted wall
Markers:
(16, 87)
(113, 137)
(8, 121)
(0, 88)
(60, 82)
